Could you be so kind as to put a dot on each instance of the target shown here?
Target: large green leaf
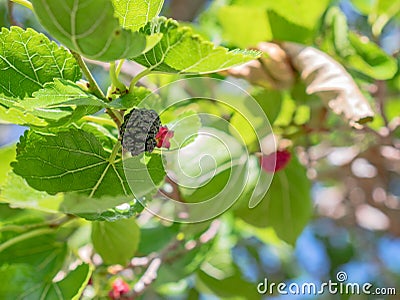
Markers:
(90, 28)
(286, 207)
(24, 283)
(116, 242)
(42, 252)
(28, 60)
(134, 14)
(72, 160)
(182, 51)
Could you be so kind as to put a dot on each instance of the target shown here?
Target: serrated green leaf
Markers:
(19, 117)
(90, 28)
(287, 207)
(116, 242)
(69, 161)
(18, 193)
(134, 14)
(181, 51)
(62, 102)
(28, 60)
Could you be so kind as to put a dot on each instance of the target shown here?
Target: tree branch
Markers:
(169, 254)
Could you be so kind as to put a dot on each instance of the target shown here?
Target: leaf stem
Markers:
(94, 87)
(119, 66)
(98, 120)
(139, 76)
(25, 3)
(114, 78)
(25, 236)
(114, 152)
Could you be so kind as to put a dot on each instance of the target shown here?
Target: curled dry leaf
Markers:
(272, 70)
(331, 82)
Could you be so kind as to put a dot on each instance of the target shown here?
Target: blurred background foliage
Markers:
(353, 171)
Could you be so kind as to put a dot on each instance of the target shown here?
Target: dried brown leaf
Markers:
(331, 82)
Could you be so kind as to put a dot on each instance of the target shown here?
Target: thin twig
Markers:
(381, 97)
(13, 22)
(167, 255)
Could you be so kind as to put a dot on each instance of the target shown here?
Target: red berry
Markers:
(163, 136)
(119, 288)
(276, 161)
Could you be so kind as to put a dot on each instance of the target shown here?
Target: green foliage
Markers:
(117, 241)
(28, 60)
(69, 184)
(135, 14)
(182, 51)
(90, 29)
(287, 206)
(75, 161)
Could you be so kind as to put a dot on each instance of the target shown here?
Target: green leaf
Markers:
(62, 102)
(90, 28)
(370, 59)
(244, 26)
(17, 192)
(135, 14)
(130, 100)
(116, 242)
(7, 155)
(305, 13)
(287, 206)
(24, 283)
(230, 287)
(284, 29)
(155, 238)
(106, 208)
(181, 51)
(270, 101)
(19, 117)
(19, 277)
(28, 60)
(144, 178)
(72, 286)
(69, 161)
(42, 252)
